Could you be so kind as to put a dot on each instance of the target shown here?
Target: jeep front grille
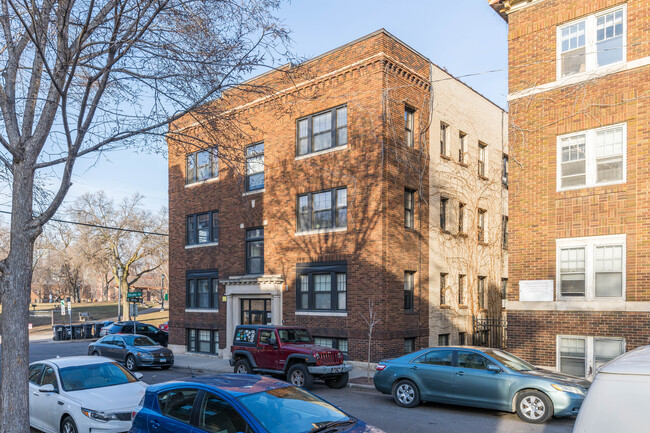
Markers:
(329, 358)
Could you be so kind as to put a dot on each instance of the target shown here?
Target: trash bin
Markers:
(88, 330)
(77, 332)
(98, 327)
(57, 332)
(66, 333)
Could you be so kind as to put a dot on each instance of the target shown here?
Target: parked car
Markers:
(617, 399)
(105, 325)
(161, 337)
(82, 394)
(164, 326)
(287, 351)
(480, 377)
(233, 403)
(134, 351)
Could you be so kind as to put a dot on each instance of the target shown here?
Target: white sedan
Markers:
(82, 394)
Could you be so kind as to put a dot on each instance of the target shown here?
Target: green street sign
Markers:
(133, 295)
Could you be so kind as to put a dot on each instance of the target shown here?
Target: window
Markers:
(437, 357)
(409, 115)
(335, 343)
(593, 42)
(443, 339)
(201, 165)
(443, 212)
(462, 338)
(322, 131)
(582, 356)
(504, 170)
(592, 267)
(473, 360)
(202, 290)
(409, 285)
(409, 200)
(255, 167)
(49, 378)
(481, 293)
(409, 345)
(35, 373)
(504, 288)
(481, 225)
(461, 289)
(482, 161)
(202, 228)
(177, 404)
(255, 251)
(461, 217)
(591, 158)
(504, 231)
(203, 341)
(443, 288)
(321, 286)
(323, 210)
(218, 416)
(444, 128)
(462, 138)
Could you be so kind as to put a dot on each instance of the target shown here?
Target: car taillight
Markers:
(380, 367)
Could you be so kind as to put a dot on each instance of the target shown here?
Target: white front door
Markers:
(581, 356)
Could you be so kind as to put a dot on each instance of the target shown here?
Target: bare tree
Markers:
(87, 76)
(372, 320)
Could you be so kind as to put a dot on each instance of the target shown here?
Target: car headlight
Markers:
(99, 416)
(568, 388)
(145, 355)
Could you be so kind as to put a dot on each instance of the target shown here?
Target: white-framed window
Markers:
(592, 158)
(582, 355)
(591, 267)
(592, 42)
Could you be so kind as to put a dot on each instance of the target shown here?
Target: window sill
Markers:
(207, 244)
(483, 243)
(201, 310)
(322, 313)
(480, 176)
(410, 312)
(320, 231)
(257, 191)
(445, 307)
(598, 185)
(462, 234)
(445, 231)
(445, 157)
(463, 164)
(201, 182)
(322, 152)
(412, 230)
(463, 307)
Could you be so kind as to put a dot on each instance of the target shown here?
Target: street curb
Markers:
(361, 386)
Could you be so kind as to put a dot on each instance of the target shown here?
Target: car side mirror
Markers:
(47, 388)
(493, 368)
(138, 376)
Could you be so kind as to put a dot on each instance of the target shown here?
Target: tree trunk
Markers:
(16, 283)
(124, 288)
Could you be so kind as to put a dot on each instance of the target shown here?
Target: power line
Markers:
(100, 226)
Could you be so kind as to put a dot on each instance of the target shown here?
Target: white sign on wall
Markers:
(535, 290)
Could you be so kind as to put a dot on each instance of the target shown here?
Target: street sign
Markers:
(134, 295)
(69, 306)
(135, 300)
(63, 308)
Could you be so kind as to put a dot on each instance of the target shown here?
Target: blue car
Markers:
(233, 403)
(480, 377)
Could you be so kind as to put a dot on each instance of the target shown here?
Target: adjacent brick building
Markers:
(579, 186)
(303, 198)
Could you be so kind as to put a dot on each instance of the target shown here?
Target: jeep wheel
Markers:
(243, 367)
(299, 375)
(338, 382)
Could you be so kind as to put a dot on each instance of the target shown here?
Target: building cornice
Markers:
(253, 279)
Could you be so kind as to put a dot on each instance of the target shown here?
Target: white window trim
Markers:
(321, 152)
(589, 243)
(206, 244)
(486, 162)
(202, 182)
(322, 314)
(591, 52)
(201, 310)
(590, 158)
(590, 356)
(320, 231)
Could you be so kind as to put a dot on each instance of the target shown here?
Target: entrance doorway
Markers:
(255, 311)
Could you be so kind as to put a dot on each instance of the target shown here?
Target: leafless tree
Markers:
(372, 319)
(88, 76)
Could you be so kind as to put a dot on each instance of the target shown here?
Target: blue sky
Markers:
(464, 36)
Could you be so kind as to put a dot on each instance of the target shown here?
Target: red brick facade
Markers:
(375, 77)
(544, 106)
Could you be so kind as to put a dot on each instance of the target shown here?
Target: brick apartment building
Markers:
(579, 77)
(314, 208)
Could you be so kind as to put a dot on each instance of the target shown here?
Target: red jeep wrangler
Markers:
(287, 351)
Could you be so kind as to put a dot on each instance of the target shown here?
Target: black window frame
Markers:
(409, 212)
(214, 342)
(250, 240)
(462, 287)
(309, 270)
(444, 138)
(249, 158)
(334, 130)
(462, 338)
(192, 277)
(504, 170)
(481, 225)
(443, 288)
(482, 159)
(334, 209)
(213, 165)
(412, 343)
(409, 127)
(480, 289)
(504, 232)
(443, 340)
(409, 293)
(335, 344)
(444, 201)
(461, 217)
(462, 147)
(192, 228)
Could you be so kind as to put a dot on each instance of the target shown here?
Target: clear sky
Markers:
(464, 36)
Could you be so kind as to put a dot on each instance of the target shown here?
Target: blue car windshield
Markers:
(510, 360)
(291, 410)
(94, 376)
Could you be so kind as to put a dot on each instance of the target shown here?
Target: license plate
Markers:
(163, 359)
(337, 369)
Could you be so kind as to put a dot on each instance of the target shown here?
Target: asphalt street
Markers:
(368, 405)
